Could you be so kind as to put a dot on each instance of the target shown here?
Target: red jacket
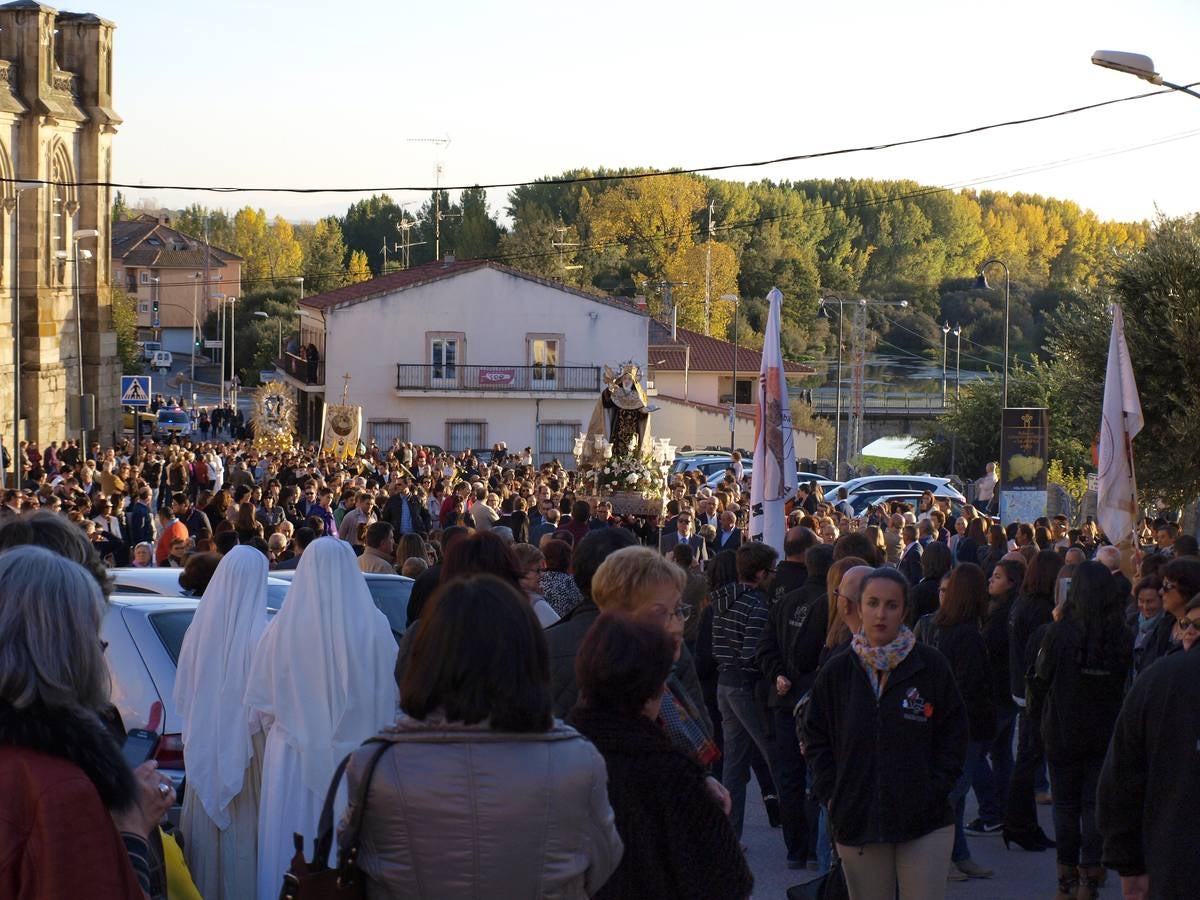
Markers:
(57, 841)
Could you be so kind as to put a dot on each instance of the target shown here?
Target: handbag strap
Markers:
(325, 825)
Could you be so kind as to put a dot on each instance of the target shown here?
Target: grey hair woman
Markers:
(59, 766)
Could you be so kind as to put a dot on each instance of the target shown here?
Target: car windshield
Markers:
(391, 596)
(171, 627)
(173, 416)
(275, 593)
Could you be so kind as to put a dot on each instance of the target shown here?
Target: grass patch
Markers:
(886, 465)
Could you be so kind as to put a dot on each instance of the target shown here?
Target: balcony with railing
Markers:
(298, 368)
(498, 379)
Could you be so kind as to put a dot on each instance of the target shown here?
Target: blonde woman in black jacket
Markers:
(886, 737)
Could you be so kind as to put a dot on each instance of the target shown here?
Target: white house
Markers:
(463, 354)
(694, 381)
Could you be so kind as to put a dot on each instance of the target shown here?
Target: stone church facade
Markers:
(56, 128)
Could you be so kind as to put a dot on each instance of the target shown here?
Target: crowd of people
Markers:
(577, 699)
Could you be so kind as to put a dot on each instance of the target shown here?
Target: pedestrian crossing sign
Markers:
(135, 390)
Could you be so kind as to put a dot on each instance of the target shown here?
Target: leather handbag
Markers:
(316, 880)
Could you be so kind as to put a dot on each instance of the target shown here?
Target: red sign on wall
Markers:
(497, 377)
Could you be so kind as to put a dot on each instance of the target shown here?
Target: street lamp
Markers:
(837, 414)
(81, 235)
(195, 324)
(267, 317)
(981, 282)
(957, 381)
(1136, 64)
(232, 349)
(732, 298)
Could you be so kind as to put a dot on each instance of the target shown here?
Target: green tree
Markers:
(124, 319)
(1159, 291)
(324, 253)
(478, 232)
(371, 223)
(975, 425)
(120, 209)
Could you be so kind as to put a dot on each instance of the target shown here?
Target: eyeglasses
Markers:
(1168, 586)
(1185, 624)
(684, 610)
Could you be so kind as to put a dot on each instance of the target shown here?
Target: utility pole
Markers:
(561, 245)
(405, 227)
(443, 143)
(708, 273)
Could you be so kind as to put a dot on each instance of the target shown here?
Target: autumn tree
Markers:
(359, 269)
(324, 254)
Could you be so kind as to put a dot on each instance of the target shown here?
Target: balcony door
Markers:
(443, 362)
(543, 363)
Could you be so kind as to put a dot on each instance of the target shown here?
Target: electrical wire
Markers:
(758, 221)
(621, 176)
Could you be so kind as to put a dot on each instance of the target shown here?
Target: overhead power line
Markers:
(622, 176)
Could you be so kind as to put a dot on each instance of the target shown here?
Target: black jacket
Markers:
(923, 598)
(886, 767)
(1081, 703)
(392, 512)
(964, 649)
(995, 633)
(563, 639)
(910, 562)
(1148, 797)
(789, 576)
(1028, 613)
(678, 842)
(791, 643)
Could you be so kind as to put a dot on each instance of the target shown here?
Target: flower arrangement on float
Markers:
(629, 473)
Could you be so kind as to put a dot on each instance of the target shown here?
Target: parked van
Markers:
(161, 359)
(149, 348)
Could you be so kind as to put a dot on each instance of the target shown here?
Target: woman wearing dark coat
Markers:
(923, 596)
(1081, 672)
(678, 841)
(1030, 612)
(955, 631)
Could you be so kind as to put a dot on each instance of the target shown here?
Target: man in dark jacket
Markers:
(789, 652)
(404, 512)
(141, 524)
(910, 558)
(791, 573)
(1146, 806)
(565, 635)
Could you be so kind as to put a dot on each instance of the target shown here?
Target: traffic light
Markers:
(197, 343)
(154, 307)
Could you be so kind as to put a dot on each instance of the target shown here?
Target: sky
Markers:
(317, 94)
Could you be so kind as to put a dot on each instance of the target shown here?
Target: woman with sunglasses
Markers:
(1180, 583)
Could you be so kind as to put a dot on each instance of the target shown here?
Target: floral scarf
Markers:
(878, 661)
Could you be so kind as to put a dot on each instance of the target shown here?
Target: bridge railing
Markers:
(824, 400)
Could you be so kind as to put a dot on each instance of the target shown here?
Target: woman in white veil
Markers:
(223, 739)
(324, 676)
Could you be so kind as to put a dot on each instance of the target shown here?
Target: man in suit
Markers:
(683, 535)
(910, 559)
(300, 540)
(729, 536)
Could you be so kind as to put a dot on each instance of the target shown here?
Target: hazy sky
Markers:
(308, 93)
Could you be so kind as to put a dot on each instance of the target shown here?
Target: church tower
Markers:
(56, 128)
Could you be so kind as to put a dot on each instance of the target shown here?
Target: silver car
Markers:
(143, 635)
(164, 582)
(390, 593)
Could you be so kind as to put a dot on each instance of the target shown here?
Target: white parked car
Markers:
(164, 582)
(941, 487)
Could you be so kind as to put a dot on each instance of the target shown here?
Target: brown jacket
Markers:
(374, 561)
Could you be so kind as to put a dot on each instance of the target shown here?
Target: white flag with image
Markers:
(773, 480)
(1116, 501)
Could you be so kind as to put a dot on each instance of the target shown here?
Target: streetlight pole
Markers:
(1136, 64)
(837, 415)
(982, 282)
(957, 382)
(233, 348)
(80, 235)
(733, 398)
(266, 316)
(945, 338)
(195, 324)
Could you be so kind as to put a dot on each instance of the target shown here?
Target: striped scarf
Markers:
(684, 726)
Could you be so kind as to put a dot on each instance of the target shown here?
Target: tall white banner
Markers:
(773, 481)
(1116, 501)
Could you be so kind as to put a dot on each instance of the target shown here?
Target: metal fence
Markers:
(298, 368)
(535, 379)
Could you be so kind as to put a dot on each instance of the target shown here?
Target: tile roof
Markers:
(708, 354)
(744, 410)
(132, 245)
(404, 279)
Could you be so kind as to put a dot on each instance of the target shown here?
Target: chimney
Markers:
(640, 303)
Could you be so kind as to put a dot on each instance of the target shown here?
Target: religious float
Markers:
(617, 458)
(273, 414)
